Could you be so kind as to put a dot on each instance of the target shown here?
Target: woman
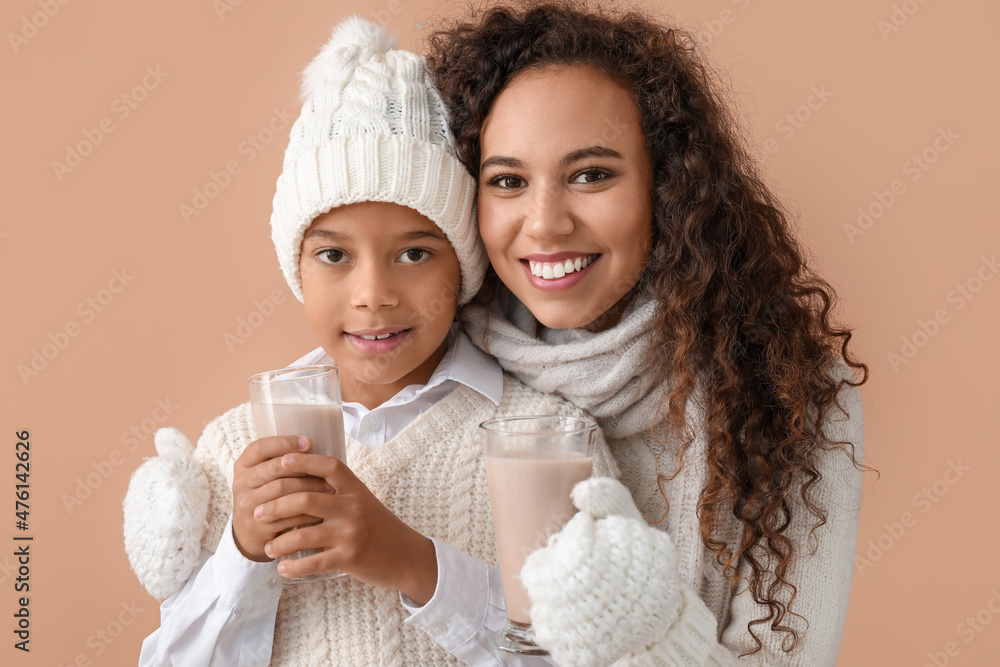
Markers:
(642, 270)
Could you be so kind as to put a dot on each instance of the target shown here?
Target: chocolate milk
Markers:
(529, 494)
(322, 423)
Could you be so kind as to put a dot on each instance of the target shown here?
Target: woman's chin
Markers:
(577, 313)
(561, 317)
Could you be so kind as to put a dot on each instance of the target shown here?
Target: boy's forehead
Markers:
(382, 218)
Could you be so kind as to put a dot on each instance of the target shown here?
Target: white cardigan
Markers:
(431, 475)
(607, 374)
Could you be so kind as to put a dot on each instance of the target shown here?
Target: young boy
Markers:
(374, 231)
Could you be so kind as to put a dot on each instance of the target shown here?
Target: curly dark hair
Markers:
(738, 309)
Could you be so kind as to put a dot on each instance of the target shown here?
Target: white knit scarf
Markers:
(606, 373)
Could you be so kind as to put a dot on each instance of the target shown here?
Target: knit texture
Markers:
(372, 128)
(171, 490)
(607, 375)
(432, 476)
(701, 621)
(608, 584)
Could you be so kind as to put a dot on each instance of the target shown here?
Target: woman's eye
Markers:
(332, 256)
(591, 176)
(506, 182)
(414, 255)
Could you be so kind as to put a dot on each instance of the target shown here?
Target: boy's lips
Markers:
(376, 341)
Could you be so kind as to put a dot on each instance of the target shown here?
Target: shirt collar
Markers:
(463, 363)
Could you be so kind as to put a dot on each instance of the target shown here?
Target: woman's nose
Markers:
(548, 213)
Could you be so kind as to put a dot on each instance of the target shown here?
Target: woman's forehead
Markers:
(561, 110)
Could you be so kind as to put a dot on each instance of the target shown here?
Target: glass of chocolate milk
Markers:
(301, 400)
(532, 464)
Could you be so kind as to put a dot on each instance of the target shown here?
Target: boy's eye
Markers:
(506, 182)
(414, 255)
(332, 256)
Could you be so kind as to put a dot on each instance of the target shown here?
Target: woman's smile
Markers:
(560, 274)
(565, 211)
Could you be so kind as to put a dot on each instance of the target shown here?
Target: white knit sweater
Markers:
(431, 475)
(607, 374)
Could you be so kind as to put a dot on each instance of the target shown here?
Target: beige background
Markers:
(886, 80)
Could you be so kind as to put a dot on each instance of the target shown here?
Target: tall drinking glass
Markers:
(532, 464)
(301, 400)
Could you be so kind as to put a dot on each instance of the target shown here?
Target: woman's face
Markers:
(565, 194)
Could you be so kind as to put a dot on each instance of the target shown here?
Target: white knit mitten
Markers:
(165, 509)
(607, 585)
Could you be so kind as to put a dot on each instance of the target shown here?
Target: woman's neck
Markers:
(612, 316)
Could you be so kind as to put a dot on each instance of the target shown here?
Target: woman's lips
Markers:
(364, 341)
(554, 265)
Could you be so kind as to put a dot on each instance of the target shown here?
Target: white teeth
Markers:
(378, 337)
(553, 270)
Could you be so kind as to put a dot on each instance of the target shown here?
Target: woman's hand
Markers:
(359, 535)
(258, 478)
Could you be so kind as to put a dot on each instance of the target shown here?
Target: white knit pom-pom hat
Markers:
(373, 128)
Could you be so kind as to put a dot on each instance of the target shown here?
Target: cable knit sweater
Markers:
(431, 475)
(606, 373)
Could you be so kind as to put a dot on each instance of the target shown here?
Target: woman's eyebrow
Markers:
(590, 152)
(569, 158)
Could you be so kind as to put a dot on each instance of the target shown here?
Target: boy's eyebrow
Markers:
(421, 234)
(327, 234)
(331, 235)
(501, 161)
(569, 158)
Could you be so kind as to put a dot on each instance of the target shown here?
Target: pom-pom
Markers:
(169, 440)
(352, 32)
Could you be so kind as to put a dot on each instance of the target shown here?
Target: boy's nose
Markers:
(373, 289)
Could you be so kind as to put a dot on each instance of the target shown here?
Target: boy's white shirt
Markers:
(225, 613)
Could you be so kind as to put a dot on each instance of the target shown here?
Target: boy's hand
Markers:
(359, 534)
(259, 478)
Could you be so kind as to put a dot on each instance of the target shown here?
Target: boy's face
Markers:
(381, 285)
